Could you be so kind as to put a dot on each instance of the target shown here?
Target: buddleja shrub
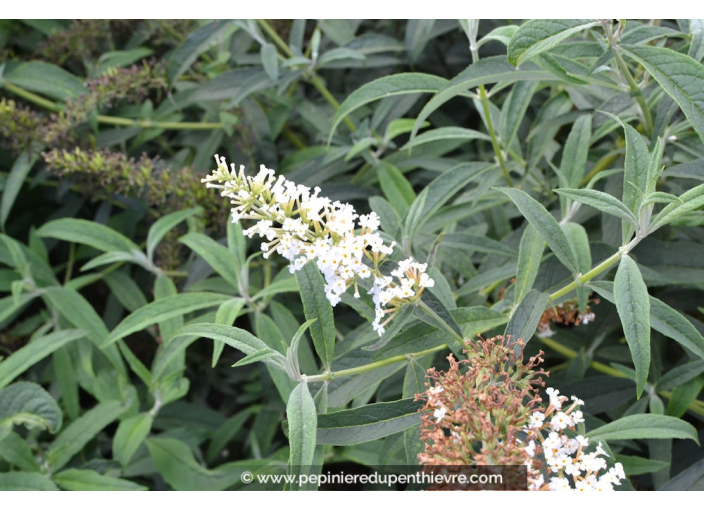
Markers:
(381, 286)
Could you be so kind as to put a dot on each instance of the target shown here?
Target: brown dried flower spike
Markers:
(475, 411)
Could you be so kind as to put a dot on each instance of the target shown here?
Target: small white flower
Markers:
(536, 420)
(440, 413)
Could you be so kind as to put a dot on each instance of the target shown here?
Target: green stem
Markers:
(329, 376)
(114, 121)
(600, 166)
(635, 90)
(314, 78)
(30, 96)
(697, 406)
(596, 271)
(150, 124)
(494, 140)
(71, 259)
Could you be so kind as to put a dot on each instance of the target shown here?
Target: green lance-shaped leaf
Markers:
(537, 36)
(46, 79)
(270, 61)
(38, 349)
(74, 437)
(438, 192)
(601, 201)
(163, 225)
(530, 253)
(688, 201)
(28, 404)
(397, 84)
(396, 187)
(574, 155)
(79, 312)
(135, 257)
(228, 430)
(87, 232)
(240, 339)
(680, 76)
(671, 323)
(89, 480)
(684, 395)
(482, 244)
(526, 317)
(501, 34)
(514, 109)
(633, 306)
(645, 426)
(635, 172)
(367, 423)
(20, 481)
(222, 260)
(125, 290)
(227, 314)
(655, 167)
(179, 468)
(663, 319)
(546, 226)
(163, 309)
(445, 133)
(302, 425)
(112, 59)
(696, 47)
(691, 479)
(196, 43)
(317, 306)
(257, 356)
(15, 450)
(20, 169)
(432, 311)
(579, 242)
(487, 70)
(129, 436)
(393, 328)
(680, 375)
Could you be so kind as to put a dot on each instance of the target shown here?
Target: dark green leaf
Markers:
(196, 43)
(645, 426)
(74, 437)
(162, 309)
(129, 436)
(46, 79)
(164, 224)
(367, 423)
(215, 254)
(530, 254)
(36, 350)
(537, 36)
(633, 307)
(525, 318)
(302, 422)
(18, 481)
(397, 84)
(680, 76)
(28, 404)
(89, 480)
(546, 226)
(317, 306)
(20, 169)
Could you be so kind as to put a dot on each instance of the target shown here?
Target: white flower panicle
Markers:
(569, 466)
(302, 226)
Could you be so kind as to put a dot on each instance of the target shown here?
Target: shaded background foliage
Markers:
(116, 122)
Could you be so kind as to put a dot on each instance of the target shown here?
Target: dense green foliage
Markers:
(550, 171)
